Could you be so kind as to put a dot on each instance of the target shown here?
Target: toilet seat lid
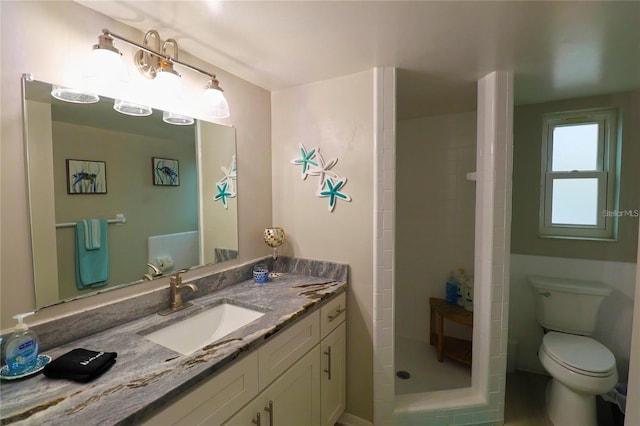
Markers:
(579, 353)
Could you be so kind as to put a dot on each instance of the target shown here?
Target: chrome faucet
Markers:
(175, 294)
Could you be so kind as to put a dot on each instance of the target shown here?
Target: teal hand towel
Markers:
(92, 265)
(91, 233)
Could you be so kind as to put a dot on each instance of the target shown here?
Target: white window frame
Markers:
(606, 173)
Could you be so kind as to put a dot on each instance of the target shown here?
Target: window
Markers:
(579, 177)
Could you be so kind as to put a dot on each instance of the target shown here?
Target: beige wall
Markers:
(337, 117)
(49, 39)
(42, 198)
(526, 181)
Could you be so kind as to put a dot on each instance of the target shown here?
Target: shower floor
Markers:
(419, 359)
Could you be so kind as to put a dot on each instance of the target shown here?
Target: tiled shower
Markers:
(483, 402)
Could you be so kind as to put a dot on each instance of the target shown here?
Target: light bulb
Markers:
(168, 83)
(105, 63)
(105, 73)
(214, 103)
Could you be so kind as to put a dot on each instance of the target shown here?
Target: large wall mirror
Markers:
(173, 185)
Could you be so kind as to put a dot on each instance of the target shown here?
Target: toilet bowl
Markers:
(580, 368)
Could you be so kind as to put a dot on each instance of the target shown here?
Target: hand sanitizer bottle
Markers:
(22, 347)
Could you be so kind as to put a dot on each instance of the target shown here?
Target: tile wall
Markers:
(484, 402)
(384, 214)
(435, 215)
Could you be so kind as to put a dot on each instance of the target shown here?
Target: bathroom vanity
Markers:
(287, 366)
(295, 378)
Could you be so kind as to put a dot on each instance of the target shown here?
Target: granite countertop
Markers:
(147, 375)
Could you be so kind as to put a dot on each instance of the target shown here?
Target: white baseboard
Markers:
(347, 419)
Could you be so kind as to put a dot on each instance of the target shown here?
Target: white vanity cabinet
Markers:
(292, 400)
(333, 360)
(296, 378)
(312, 391)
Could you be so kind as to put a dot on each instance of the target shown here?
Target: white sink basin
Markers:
(195, 332)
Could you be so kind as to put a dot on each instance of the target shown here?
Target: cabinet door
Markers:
(251, 415)
(296, 394)
(333, 381)
(286, 347)
(215, 399)
(294, 397)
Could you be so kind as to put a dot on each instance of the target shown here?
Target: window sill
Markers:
(568, 237)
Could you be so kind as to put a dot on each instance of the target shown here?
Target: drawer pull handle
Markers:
(337, 314)
(269, 409)
(256, 421)
(328, 370)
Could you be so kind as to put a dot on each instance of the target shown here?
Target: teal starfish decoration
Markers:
(230, 175)
(333, 192)
(223, 193)
(323, 171)
(306, 161)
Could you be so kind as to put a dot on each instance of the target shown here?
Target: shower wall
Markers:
(435, 215)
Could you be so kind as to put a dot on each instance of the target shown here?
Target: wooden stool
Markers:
(457, 349)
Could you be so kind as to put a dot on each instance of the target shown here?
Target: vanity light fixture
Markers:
(106, 60)
(167, 79)
(213, 101)
(106, 66)
(156, 63)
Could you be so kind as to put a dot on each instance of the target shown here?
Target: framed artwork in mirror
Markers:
(86, 177)
(166, 172)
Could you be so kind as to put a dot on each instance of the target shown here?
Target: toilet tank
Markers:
(566, 305)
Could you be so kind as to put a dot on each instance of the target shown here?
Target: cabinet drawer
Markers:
(283, 350)
(332, 314)
(215, 400)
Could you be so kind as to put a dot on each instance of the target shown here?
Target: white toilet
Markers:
(580, 367)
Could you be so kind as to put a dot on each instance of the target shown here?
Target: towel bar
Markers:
(119, 219)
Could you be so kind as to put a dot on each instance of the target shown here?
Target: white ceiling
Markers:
(556, 49)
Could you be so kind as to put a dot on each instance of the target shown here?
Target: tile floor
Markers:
(524, 399)
(427, 374)
(524, 402)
